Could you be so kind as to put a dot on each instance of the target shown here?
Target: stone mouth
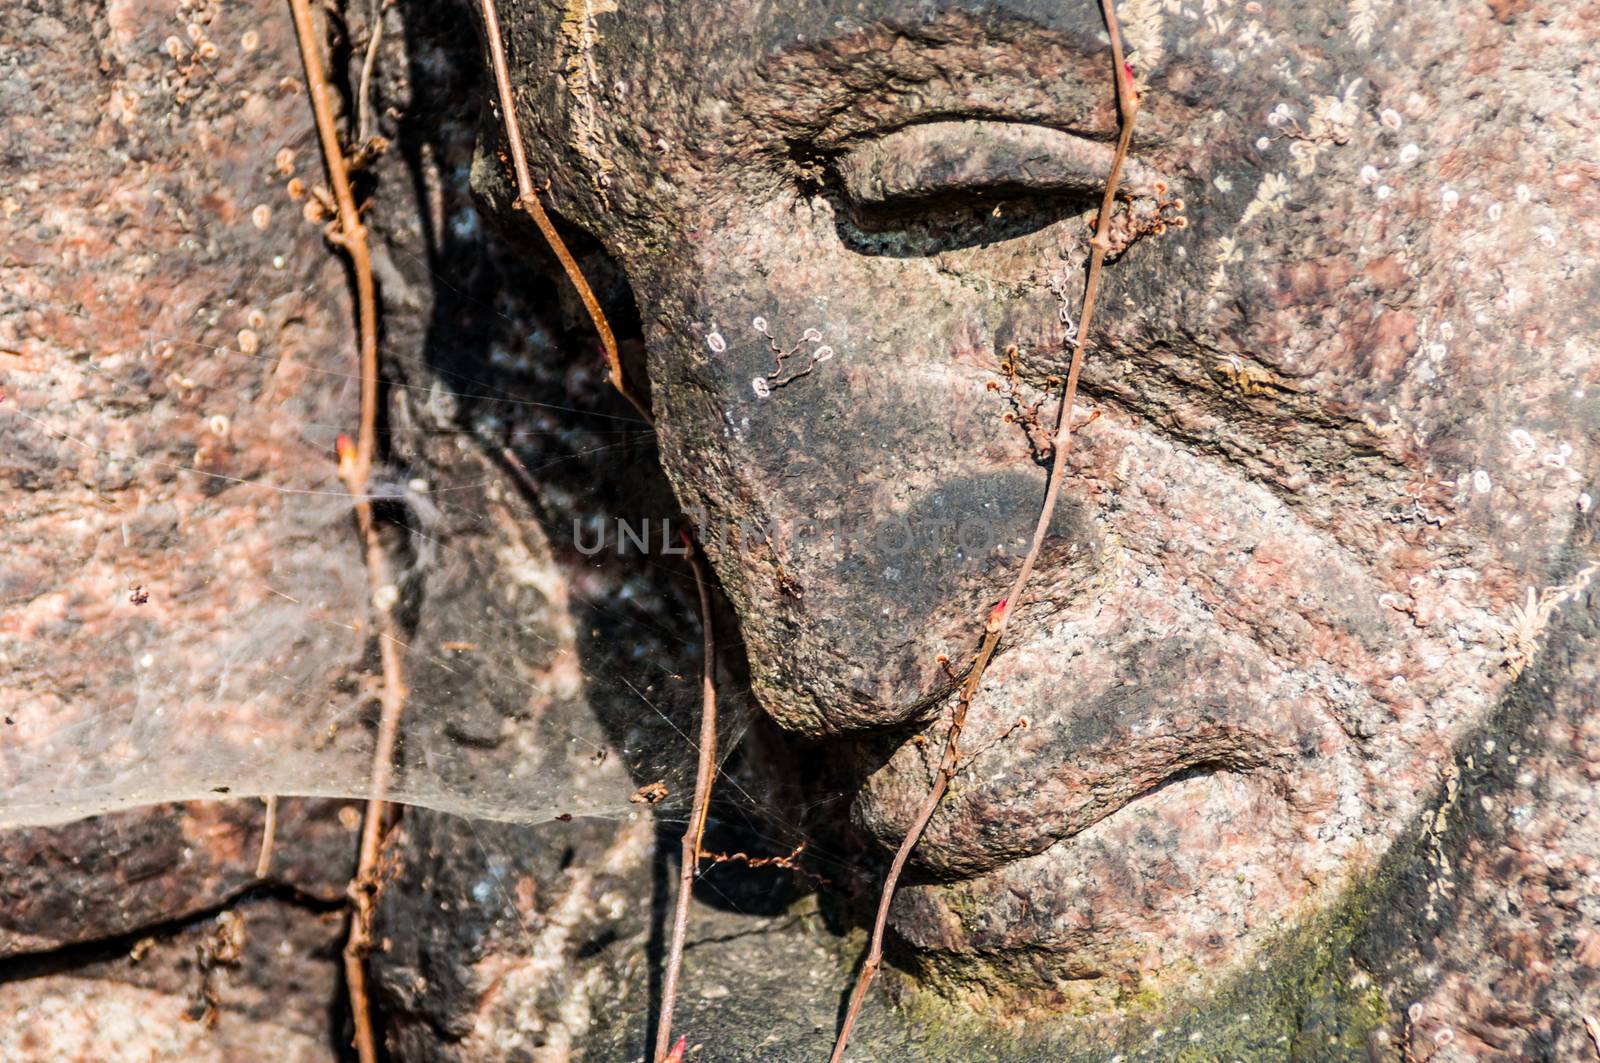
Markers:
(1122, 701)
(979, 829)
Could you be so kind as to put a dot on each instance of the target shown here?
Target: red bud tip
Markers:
(676, 1055)
(343, 447)
(996, 615)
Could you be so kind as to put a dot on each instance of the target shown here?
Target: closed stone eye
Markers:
(945, 158)
(941, 186)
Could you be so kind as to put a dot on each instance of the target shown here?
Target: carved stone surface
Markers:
(1347, 417)
(1307, 767)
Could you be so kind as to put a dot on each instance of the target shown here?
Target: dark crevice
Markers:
(68, 958)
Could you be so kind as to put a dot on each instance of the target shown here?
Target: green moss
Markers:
(1304, 997)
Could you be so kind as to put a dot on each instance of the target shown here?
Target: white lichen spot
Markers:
(219, 424)
(1263, 143)
(1585, 502)
(1520, 631)
(1142, 24)
(1383, 192)
(1409, 154)
(1390, 118)
(1333, 118)
(261, 217)
(1496, 212)
(1369, 174)
(811, 335)
(249, 342)
(822, 354)
(1558, 458)
(385, 597)
(760, 386)
(759, 324)
(1304, 155)
(1252, 35)
(1481, 482)
(1222, 183)
(1547, 236)
(1448, 198)
(1228, 252)
(1363, 20)
(715, 341)
(1524, 194)
(1269, 198)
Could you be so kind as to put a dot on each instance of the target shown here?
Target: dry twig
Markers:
(364, 87)
(1100, 244)
(269, 831)
(789, 861)
(355, 465)
(528, 200)
(694, 832)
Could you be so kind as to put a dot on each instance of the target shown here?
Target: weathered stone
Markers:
(256, 981)
(1346, 420)
(180, 576)
(110, 875)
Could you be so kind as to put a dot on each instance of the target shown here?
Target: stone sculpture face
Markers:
(1345, 417)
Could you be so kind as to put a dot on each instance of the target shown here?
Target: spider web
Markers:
(184, 606)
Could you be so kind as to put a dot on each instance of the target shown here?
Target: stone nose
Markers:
(871, 604)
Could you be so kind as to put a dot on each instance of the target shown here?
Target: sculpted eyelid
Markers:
(938, 158)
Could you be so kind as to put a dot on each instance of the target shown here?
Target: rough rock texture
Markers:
(256, 981)
(1307, 765)
(1347, 419)
(110, 875)
(174, 536)
(1494, 952)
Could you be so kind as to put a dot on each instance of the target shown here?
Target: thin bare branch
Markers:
(999, 618)
(368, 64)
(269, 831)
(694, 832)
(528, 200)
(355, 466)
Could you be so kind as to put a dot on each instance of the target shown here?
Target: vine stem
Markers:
(355, 466)
(528, 200)
(694, 832)
(269, 832)
(1000, 617)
